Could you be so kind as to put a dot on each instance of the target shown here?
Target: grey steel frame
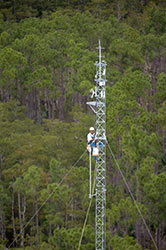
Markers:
(99, 107)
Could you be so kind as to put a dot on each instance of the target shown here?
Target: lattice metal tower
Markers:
(99, 107)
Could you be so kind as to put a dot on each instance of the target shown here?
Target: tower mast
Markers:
(99, 107)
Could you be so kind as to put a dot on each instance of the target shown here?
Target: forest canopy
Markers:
(47, 69)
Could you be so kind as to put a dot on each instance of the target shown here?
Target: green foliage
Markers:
(155, 192)
(47, 56)
(125, 214)
(161, 89)
(126, 243)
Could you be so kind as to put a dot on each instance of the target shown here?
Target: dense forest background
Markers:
(47, 56)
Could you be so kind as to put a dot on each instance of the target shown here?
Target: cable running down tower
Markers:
(99, 108)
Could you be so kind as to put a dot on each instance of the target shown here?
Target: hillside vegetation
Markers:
(47, 56)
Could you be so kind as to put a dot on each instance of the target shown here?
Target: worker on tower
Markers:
(92, 143)
(91, 136)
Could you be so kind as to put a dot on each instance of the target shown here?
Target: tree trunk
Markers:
(30, 104)
(47, 104)
(38, 107)
(23, 96)
(8, 91)
(138, 223)
(118, 176)
(20, 219)
(2, 224)
(49, 109)
(23, 213)
(13, 219)
(118, 10)
(61, 99)
(163, 141)
(66, 219)
(1, 166)
(37, 222)
(50, 229)
(53, 109)
(35, 104)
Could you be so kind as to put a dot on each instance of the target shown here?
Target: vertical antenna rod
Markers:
(99, 107)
